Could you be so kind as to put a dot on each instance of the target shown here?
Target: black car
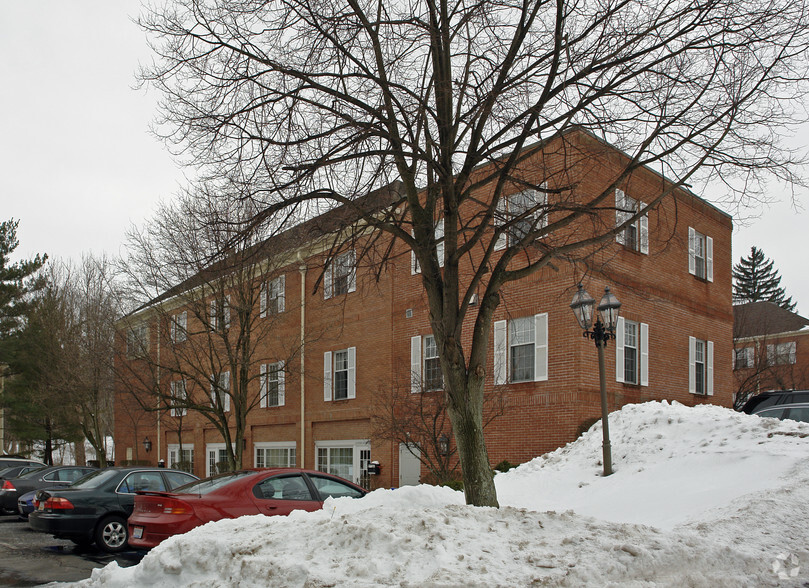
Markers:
(96, 508)
(773, 398)
(10, 461)
(17, 471)
(46, 477)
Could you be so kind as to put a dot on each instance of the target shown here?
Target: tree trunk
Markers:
(467, 426)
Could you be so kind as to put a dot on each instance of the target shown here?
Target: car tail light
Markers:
(8, 485)
(58, 503)
(176, 507)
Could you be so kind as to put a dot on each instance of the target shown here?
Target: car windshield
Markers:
(96, 479)
(211, 484)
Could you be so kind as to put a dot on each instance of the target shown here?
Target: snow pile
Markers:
(700, 497)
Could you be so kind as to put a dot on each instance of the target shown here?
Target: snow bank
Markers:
(701, 497)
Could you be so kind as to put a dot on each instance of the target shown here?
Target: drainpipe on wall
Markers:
(302, 269)
(159, 435)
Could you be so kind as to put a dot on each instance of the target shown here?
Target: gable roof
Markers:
(756, 319)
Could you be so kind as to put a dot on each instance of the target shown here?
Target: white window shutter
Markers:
(173, 329)
(226, 391)
(214, 395)
(619, 350)
(263, 300)
(352, 372)
(281, 383)
(327, 369)
(226, 311)
(620, 216)
(501, 218)
(541, 347)
(709, 258)
(500, 352)
(415, 364)
(644, 354)
(692, 365)
(439, 242)
(327, 282)
(709, 369)
(692, 259)
(542, 199)
(263, 386)
(793, 349)
(212, 315)
(282, 286)
(643, 224)
(352, 276)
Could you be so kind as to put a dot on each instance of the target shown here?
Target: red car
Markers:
(159, 515)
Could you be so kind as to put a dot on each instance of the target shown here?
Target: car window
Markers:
(773, 413)
(212, 483)
(283, 488)
(70, 474)
(799, 397)
(96, 478)
(141, 482)
(334, 488)
(178, 478)
(799, 414)
(51, 476)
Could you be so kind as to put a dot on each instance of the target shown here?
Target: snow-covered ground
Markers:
(700, 497)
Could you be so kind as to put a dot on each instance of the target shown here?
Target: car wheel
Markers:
(111, 534)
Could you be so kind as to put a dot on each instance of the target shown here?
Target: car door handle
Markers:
(270, 508)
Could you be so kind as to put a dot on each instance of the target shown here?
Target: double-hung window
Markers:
(521, 213)
(521, 349)
(425, 367)
(341, 275)
(743, 358)
(137, 341)
(700, 255)
(631, 352)
(220, 391)
(181, 458)
(415, 267)
(219, 314)
(272, 296)
(782, 353)
(179, 327)
(634, 235)
(179, 397)
(700, 366)
(272, 384)
(339, 374)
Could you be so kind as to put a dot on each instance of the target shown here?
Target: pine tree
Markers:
(755, 280)
(17, 280)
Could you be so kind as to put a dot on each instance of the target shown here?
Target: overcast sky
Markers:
(77, 164)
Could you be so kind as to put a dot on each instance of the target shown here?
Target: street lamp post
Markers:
(602, 331)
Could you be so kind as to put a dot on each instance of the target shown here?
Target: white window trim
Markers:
(213, 313)
(288, 445)
(179, 327)
(623, 210)
(692, 366)
(773, 353)
(328, 274)
(692, 256)
(418, 362)
(328, 374)
(178, 411)
(264, 383)
(357, 446)
(280, 295)
(175, 448)
(209, 447)
(750, 357)
(643, 351)
(137, 340)
(540, 197)
(438, 233)
(225, 390)
(502, 350)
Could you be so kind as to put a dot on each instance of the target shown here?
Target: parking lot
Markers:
(28, 558)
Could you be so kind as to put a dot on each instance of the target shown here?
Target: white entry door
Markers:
(409, 464)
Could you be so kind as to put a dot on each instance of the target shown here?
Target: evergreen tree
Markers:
(755, 280)
(16, 280)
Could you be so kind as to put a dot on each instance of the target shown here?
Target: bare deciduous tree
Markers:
(308, 102)
(214, 311)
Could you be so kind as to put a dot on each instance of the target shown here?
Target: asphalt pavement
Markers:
(28, 558)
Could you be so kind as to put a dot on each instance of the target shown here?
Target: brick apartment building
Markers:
(363, 335)
(771, 349)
